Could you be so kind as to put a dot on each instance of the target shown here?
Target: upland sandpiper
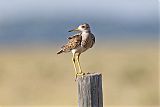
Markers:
(78, 44)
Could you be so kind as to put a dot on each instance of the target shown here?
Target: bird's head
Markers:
(82, 28)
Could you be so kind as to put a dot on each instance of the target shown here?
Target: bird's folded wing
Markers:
(93, 40)
(75, 35)
(74, 42)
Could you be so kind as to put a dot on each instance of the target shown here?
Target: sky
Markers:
(122, 8)
(49, 20)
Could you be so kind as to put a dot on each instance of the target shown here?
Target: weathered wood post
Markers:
(90, 90)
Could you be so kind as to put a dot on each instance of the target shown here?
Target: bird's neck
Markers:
(86, 31)
(85, 34)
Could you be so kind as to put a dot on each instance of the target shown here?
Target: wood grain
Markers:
(90, 90)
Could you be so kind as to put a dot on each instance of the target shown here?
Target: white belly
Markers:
(79, 49)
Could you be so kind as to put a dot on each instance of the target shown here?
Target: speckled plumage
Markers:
(73, 43)
(79, 43)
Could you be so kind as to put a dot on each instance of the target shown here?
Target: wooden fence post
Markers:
(90, 90)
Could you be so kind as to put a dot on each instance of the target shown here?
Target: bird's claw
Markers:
(79, 74)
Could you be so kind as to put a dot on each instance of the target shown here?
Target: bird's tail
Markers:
(59, 52)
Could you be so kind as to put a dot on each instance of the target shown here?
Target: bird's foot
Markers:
(79, 74)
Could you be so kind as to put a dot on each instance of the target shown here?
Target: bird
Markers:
(77, 44)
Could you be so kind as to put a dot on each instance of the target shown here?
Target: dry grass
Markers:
(40, 77)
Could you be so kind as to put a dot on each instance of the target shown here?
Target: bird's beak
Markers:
(74, 30)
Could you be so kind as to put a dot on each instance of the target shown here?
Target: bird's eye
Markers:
(83, 26)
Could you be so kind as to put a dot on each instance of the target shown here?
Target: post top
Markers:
(88, 75)
(93, 74)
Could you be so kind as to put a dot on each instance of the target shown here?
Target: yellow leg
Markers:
(80, 69)
(73, 60)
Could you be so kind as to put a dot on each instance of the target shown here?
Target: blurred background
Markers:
(126, 51)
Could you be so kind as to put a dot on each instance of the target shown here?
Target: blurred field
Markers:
(37, 76)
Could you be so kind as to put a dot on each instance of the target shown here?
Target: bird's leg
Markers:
(73, 60)
(80, 69)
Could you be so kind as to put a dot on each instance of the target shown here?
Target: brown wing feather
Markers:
(73, 36)
(73, 43)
